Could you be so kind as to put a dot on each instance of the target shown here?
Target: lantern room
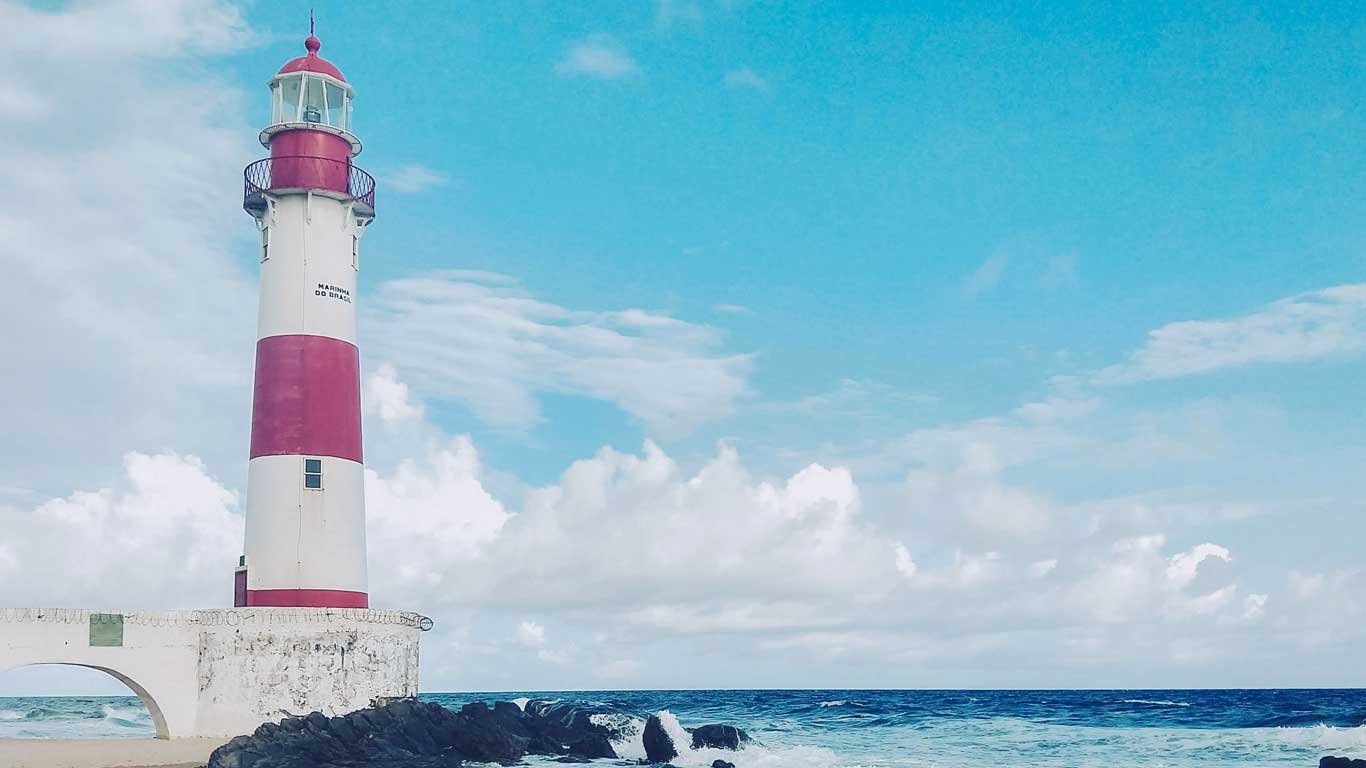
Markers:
(310, 97)
(310, 93)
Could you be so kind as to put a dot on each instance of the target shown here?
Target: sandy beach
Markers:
(106, 753)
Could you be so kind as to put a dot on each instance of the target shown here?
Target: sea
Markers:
(848, 729)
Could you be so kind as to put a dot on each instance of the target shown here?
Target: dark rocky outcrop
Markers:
(413, 734)
(721, 764)
(659, 745)
(1341, 762)
(718, 737)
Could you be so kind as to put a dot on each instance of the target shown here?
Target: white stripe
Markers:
(299, 538)
(308, 283)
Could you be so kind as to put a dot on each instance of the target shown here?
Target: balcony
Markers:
(333, 178)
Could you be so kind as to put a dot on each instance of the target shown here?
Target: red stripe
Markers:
(307, 598)
(307, 398)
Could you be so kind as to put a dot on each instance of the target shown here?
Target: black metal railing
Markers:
(302, 172)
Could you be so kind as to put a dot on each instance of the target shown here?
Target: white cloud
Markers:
(976, 492)
(127, 245)
(166, 535)
(1042, 568)
(387, 397)
(669, 12)
(1254, 607)
(904, 564)
(579, 544)
(732, 309)
(1137, 580)
(600, 57)
(413, 178)
(493, 347)
(531, 634)
(967, 571)
(619, 668)
(986, 276)
(745, 78)
(426, 514)
(1304, 327)
(1061, 272)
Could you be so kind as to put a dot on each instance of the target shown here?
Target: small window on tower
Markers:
(265, 244)
(355, 252)
(313, 473)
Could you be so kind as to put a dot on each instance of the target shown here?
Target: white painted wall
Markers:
(300, 538)
(310, 243)
(224, 672)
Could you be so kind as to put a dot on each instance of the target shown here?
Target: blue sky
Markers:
(1123, 169)
(990, 322)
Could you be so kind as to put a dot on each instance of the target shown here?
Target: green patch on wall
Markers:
(106, 630)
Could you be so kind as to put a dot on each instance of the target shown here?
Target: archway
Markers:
(154, 710)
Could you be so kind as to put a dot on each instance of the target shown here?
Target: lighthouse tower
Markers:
(305, 524)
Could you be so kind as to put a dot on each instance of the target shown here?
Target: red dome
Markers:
(312, 62)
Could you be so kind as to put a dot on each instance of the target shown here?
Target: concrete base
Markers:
(224, 672)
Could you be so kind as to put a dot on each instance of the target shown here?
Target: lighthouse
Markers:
(305, 518)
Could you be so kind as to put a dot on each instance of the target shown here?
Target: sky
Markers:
(727, 344)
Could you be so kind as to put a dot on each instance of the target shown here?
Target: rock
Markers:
(413, 734)
(721, 764)
(718, 737)
(659, 745)
(1341, 762)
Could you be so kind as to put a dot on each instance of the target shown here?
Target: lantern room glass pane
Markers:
(336, 106)
(315, 109)
(289, 100)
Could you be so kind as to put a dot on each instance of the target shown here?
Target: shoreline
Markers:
(107, 753)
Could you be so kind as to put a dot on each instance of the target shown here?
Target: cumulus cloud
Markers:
(600, 57)
(166, 535)
(1138, 579)
(492, 346)
(1304, 327)
(388, 398)
(976, 492)
(529, 633)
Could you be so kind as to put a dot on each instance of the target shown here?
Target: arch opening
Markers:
(73, 711)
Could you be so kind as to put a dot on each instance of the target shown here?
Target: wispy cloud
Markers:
(668, 12)
(599, 56)
(1308, 326)
(1061, 272)
(732, 309)
(745, 77)
(413, 178)
(494, 347)
(985, 277)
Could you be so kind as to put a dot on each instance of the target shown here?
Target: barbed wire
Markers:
(218, 617)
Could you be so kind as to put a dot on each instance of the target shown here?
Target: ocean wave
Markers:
(752, 755)
(842, 703)
(1156, 702)
(10, 714)
(135, 718)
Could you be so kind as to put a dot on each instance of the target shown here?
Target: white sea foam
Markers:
(128, 716)
(1156, 702)
(752, 755)
(521, 702)
(630, 744)
(10, 714)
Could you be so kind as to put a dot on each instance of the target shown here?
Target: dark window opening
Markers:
(313, 474)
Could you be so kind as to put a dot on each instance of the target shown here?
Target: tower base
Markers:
(224, 672)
